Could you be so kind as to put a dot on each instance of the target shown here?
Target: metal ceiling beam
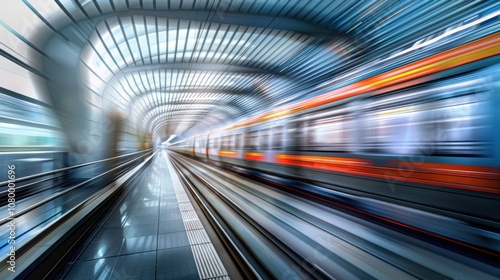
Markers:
(86, 26)
(132, 103)
(231, 18)
(142, 117)
(146, 112)
(223, 68)
(213, 67)
(150, 121)
(196, 67)
(165, 122)
(159, 119)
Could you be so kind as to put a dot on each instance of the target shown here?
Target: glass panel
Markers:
(237, 142)
(264, 139)
(277, 137)
(251, 141)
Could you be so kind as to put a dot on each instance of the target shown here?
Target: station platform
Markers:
(152, 233)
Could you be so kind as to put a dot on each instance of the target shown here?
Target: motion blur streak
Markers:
(352, 139)
(467, 53)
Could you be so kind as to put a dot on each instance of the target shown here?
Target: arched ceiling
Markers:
(174, 61)
(187, 66)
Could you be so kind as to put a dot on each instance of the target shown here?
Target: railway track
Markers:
(279, 234)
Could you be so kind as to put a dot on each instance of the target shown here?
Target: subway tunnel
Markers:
(259, 139)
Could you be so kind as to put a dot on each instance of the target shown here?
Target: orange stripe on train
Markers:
(477, 178)
(254, 156)
(228, 153)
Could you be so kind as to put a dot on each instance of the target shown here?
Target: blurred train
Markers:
(425, 135)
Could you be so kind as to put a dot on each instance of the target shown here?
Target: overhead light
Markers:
(170, 138)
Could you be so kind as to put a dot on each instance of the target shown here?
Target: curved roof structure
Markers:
(185, 67)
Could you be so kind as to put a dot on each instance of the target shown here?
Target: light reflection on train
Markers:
(428, 141)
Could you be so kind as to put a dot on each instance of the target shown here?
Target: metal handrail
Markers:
(38, 204)
(69, 168)
(31, 244)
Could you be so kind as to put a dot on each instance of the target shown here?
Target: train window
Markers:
(246, 141)
(461, 125)
(251, 141)
(214, 143)
(237, 142)
(264, 139)
(451, 126)
(227, 142)
(230, 140)
(224, 143)
(326, 134)
(201, 143)
(277, 138)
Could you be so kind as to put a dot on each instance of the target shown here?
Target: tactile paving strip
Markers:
(207, 260)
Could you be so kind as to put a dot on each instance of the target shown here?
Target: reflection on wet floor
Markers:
(144, 238)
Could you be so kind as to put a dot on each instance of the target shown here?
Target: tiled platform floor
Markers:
(144, 238)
